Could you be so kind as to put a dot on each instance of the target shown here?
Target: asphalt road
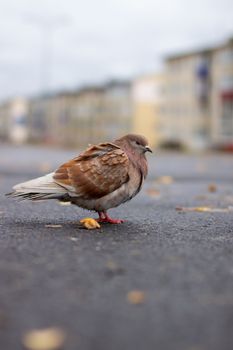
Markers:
(78, 280)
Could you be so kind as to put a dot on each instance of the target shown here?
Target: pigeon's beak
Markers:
(148, 149)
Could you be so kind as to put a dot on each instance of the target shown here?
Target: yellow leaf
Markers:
(202, 209)
(74, 239)
(44, 339)
(152, 192)
(64, 203)
(136, 297)
(205, 209)
(212, 188)
(165, 180)
(90, 223)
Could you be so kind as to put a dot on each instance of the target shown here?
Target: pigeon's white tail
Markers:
(43, 187)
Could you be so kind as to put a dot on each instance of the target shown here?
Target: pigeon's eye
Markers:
(137, 143)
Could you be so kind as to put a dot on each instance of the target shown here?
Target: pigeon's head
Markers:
(137, 143)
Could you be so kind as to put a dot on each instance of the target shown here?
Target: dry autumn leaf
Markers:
(212, 188)
(74, 239)
(200, 209)
(44, 339)
(165, 180)
(204, 209)
(90, 223)
(152, 192)
(136, 297)
(64, 203)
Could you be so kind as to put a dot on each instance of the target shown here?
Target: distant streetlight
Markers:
(47, 26)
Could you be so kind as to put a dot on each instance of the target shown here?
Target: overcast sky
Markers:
(51, 44)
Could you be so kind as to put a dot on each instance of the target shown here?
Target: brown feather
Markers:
(97, 172)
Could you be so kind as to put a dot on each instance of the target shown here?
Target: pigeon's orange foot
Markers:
(110, 220)
(103, 217)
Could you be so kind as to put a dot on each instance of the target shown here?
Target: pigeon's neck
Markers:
(140, 162)
(138, 159)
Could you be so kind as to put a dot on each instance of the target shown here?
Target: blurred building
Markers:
(222, 94)
(189, 103)
(13, 121)
(4, 121)
(87, 117)
(118, 107)
(198, 96)
(186, 108)
(39, 112)
(147, 99)
(77, 118)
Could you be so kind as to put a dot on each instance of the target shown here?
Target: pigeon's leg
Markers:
(112, 221)
(103, 217)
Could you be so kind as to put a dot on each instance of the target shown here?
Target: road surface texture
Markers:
(54, 273)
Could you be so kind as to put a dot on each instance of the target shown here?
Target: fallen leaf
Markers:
(44, 339)
(202, 209)
(136, 297)
(53, 226)
(90, 223)
(152, 192)
(205, 209)
(64, 203)
(193, 209)
(212, 188)
(165, 180)
(74, 239)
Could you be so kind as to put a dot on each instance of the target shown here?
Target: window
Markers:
(227, 118)
(225, 56)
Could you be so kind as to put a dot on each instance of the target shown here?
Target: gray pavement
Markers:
(78, 280)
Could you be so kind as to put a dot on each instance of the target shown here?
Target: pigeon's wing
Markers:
(100, 170)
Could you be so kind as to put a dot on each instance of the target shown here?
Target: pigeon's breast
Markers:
(124, 193)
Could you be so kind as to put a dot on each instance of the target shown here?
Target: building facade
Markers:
(13, 121)
(77, 118)
(188, 104)
(198, 95)
(147, 99)
(222, 94)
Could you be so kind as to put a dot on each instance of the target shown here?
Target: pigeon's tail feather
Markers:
(35, 196)
(39, 189)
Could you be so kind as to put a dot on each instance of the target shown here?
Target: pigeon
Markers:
(102, 177)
